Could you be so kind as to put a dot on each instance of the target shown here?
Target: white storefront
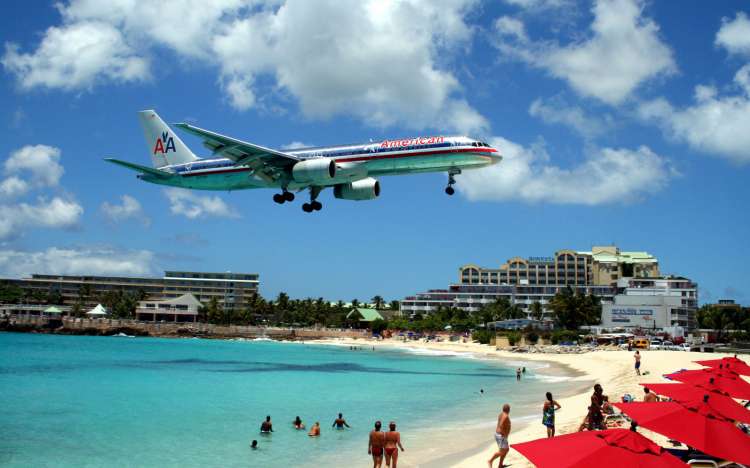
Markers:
(635, 316)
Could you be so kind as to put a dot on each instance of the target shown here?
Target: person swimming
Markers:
(392, 444)
(254, 444)
(298, 423)
(315, 430)
(340, 422)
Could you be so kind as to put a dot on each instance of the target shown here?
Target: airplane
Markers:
(349, 169)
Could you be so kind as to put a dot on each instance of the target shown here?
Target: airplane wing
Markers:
(241, 152)
(139, 168)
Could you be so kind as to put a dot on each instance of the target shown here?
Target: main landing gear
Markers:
(451, 180)
(314, 204)
(282, 197)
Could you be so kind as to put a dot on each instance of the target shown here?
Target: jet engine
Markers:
(314, 171)
(364, 189)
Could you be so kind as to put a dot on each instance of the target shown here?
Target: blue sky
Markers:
(621, 121)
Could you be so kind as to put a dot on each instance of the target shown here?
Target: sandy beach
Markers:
(612, 369)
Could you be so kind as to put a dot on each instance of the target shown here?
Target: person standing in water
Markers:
(340, 422)
(298, 423)
(518, 374)
(314, 430)
(502, 431)
(375, 445)
(266, 426)
(392, 444)
(637, 357)
(548, 414)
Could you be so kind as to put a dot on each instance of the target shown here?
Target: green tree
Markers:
(537, 312)
(213, 311)
(378, 302)
(395, 305)
(573, 309)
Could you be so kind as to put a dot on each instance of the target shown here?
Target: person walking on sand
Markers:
(392, 444)
(340, 422)
(502, 431)
(548, 414)
(375, 445)
(314, 430)
(637, 357)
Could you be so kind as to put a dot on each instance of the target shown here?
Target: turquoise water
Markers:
(108, 401)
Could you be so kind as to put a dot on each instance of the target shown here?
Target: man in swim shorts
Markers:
(340, 422)
(375, 445)
(502, 431)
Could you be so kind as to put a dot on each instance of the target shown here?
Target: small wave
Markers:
(550, 378)
(436, 352)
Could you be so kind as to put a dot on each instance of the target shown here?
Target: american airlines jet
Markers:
(349, 169)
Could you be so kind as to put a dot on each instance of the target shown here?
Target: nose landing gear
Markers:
(451, 181)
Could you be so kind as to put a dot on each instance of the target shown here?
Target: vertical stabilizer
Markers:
(165, 147)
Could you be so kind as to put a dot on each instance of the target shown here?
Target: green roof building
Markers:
(364, 316)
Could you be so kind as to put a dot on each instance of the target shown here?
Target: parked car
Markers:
(655, 344)
(685, 346)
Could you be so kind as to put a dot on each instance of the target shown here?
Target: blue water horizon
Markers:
(111, 401)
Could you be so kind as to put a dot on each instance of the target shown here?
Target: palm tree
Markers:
(378, 301)
(537, 313)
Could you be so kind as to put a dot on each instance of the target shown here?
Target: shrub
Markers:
(514, 337)
(532, 337)
(482, 336)
(559, 336)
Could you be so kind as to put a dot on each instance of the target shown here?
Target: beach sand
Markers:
(612, 369)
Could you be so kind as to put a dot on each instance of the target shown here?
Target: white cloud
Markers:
(557, 112)
(734, 35)
(54, 213)
(129, 208)
(186, 203)
(76, 56)
(715, 124)
(622, 52)
(608, 175)
(42, 162)
(13, 187)
(77, 261)
(296, 145)
(383, 62)
(539, 4)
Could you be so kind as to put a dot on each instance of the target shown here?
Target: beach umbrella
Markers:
(718, 402)
(731, 363)
(695, 425)
(714, 380)
(52, 310)
(613, 448)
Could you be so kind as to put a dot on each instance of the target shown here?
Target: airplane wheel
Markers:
(450, 190)
(317, 206)
(278, 198)
(307, 208)
(288, 196)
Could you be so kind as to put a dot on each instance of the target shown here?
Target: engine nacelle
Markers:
(364, 189)
(316, 170)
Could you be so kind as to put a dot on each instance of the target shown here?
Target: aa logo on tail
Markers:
(164, 144)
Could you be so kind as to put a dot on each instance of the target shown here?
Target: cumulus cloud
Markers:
(76, 56)
(383, 62)
(557, 112)
(33, 168)
(54, 213)
(186, 203)
(77, 261)
(622, 51)
(128, 208)
(734, 35)
(41, 162)
(608, 175)
(717, 123)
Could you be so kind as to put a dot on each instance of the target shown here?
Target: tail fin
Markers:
(165, 147)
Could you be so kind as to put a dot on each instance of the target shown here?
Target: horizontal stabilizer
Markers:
(139, 168)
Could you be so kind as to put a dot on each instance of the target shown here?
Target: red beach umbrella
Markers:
(719, 403)
(731, 363)
(613, 448)
(715, 380)
(695, 425)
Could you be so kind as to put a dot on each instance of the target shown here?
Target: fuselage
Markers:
(388, 157)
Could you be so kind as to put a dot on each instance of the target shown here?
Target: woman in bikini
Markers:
(392, 444)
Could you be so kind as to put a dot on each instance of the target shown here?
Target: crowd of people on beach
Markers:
(381, 445)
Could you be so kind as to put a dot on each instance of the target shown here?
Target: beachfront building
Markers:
(180, 309)
(232, 290)
(606, 272)
(661, 303)
(363, 316)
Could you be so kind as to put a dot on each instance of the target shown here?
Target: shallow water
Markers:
(108, 401)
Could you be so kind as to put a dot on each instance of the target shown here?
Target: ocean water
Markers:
(111, 401)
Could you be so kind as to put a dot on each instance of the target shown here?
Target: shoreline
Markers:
(613, 369)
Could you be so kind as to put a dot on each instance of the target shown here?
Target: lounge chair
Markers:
(702, 463)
